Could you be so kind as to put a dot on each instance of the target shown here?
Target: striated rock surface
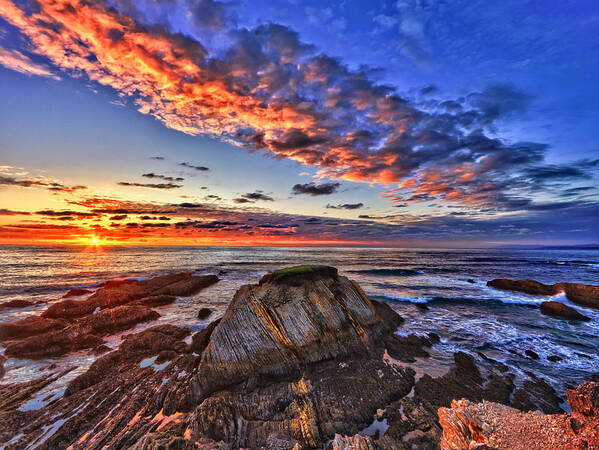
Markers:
(355, 442)
(581, 294)
(121, 292)
(291, 318)
(561, 311)
(486, 425)
(30, 326)
(85, 333)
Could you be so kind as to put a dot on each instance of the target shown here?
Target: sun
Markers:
(95, 240)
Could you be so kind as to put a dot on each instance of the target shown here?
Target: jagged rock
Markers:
(30, 326)
(486, 425)
(406, 348)
(83, 334)
(355, 442)
(15, 304)
(204, 313)
(559, 310)
(581, 294)
(584, 399)
(76, 292)
(121, 292)
(291, 318)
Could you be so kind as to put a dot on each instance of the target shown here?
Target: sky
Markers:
(461, 123)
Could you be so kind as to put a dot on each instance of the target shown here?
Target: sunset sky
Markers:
(197, 122)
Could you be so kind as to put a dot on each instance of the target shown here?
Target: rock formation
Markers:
(581, 294)
(71, 325)
(561, 311)
(304, 359)
(486, 425)
(15, 304)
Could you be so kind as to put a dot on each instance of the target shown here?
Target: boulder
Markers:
(15, 304)
(291, 318)
(30, 326)
(204, 313)
(526, 286)
(561, 311)
(581, 294)
(157, 300)
(76, 292)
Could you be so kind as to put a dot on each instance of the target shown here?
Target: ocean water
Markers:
(462, 310)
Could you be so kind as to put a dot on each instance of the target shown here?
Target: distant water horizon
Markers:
(468, 315)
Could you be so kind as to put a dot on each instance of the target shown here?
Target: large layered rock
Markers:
(486, 425)
(290, 319)
(581, 294)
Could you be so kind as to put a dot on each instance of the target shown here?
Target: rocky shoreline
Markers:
(303, 359)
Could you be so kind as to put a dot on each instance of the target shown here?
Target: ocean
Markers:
(460, 308)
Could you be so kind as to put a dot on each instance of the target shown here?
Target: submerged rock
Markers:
(561, 311)
(468, 425)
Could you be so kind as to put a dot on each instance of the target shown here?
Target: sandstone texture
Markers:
(486, 425)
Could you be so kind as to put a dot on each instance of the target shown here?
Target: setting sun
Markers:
(95, 240)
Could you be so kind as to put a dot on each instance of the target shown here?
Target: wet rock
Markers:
(200, 340)
(407, 348)
(100, 349)
(76, 292)
(2, 361)
(532, 354)
(15, 304)
(157, 300)
(204, 313)
(30, 326)
(291, 318)
(121, 292)
(554, 358)
(355, 442)
(584, 399)
(526, 286)
(581, 294)
(495, 426)
(561, 311)
(471, 281)
(83, 334)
